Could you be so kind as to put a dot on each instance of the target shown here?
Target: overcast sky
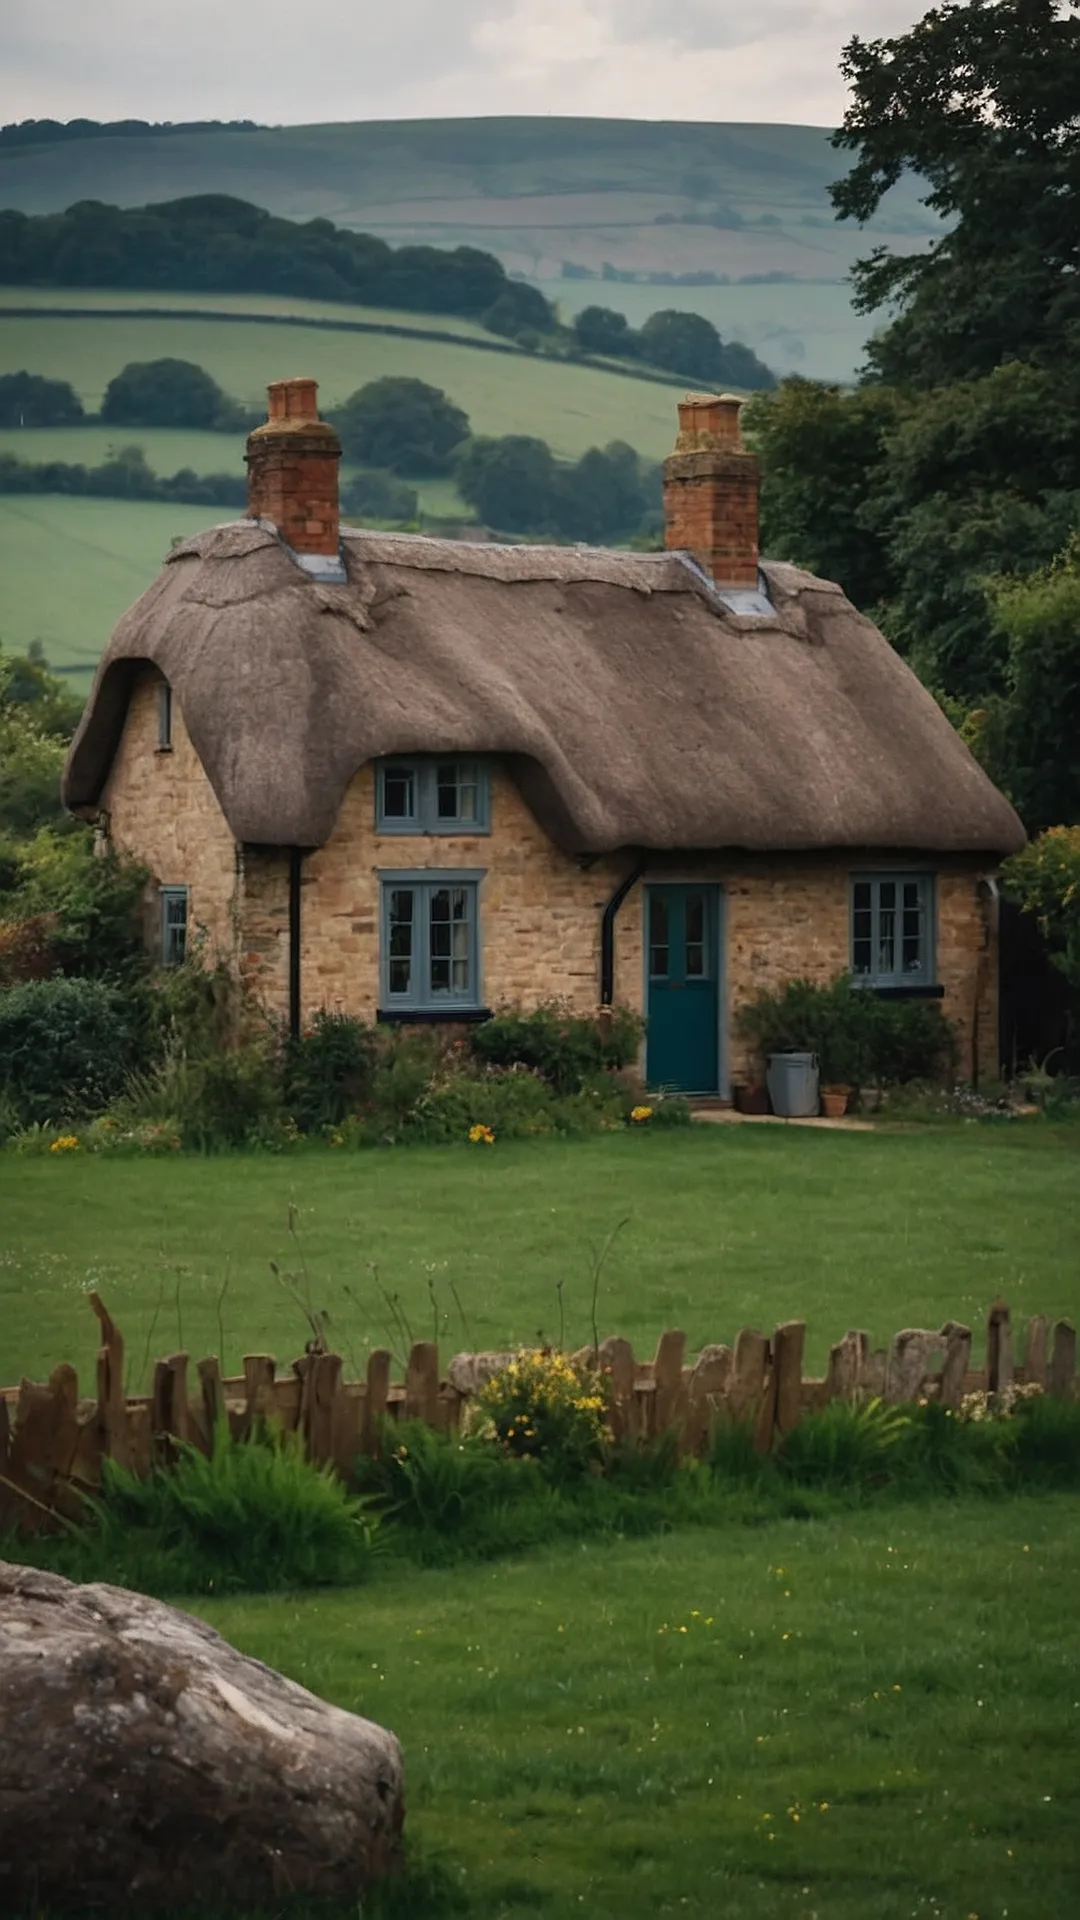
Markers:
(278, 61)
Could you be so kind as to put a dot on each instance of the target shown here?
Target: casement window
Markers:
(164, 717)
(174, 921)
(430, 942)
(892, 929)
(428, 794)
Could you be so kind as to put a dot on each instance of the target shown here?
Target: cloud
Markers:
(355, 59)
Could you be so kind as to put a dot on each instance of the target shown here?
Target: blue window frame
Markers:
(430, 941)
(174, 923)
(892, 929)
(432, 793)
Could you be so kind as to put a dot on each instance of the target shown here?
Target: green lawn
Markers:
(869, 1715)
(726, 1226)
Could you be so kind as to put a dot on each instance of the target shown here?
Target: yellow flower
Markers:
(67, 1143)
(640, 1114)
(481, 1136)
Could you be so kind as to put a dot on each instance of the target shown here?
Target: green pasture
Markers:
(724, 1227)
(80, 298)
(71, 567)
(870, 1714)
(571, 407)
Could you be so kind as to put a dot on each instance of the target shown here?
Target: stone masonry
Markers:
(540, 909)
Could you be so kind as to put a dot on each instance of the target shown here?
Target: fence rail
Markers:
(53, 1440)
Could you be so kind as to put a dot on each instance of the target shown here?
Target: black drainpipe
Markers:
(607, 930)
(295, 864)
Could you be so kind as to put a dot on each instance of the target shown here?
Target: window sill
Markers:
(161, 748)
(460, 829)
(432, 1016)
(924, 992)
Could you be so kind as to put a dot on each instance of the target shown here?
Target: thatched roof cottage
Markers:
(417, 779)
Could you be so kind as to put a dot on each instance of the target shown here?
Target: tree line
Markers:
(42, 133)
(395, 430)
(215, 242)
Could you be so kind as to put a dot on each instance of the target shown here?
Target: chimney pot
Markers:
(711, 491)
(292, 465)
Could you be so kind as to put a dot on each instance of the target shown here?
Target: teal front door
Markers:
(683, 959)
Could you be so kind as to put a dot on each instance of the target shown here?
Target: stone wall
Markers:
(162, 809)
(540, 909)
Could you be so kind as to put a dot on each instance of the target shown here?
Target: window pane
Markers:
(174, 915)
(400, 956)
(658, 936)
(399, 795)
(913, 932)
(695, 936)
(448, 940)
(455, 790)
(886, 933)
(164, 715)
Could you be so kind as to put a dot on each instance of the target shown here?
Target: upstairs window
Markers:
(164, 716)
(892, 929)
(432, 795)
(430, 942)
(174, 921)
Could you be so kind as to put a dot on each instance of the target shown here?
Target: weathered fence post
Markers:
(1063, 1361)
(789, 1342)
(999, 1353)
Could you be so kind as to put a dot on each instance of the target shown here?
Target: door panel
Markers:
(683, 958)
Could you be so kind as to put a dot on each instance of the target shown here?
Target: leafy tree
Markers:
(509, 481)
(685, 343)
(689, 344)
(166, 393)
(603, 330)
(401, 424)
(519, 309)
(1045, 879)
(29, 400)
(822, 452)
(605, 495)
(382, 496)
(980, 100)
(1035, 732)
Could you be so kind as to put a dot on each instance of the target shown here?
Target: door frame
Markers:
(722, 1089)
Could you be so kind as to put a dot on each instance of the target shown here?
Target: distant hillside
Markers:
(731, 221)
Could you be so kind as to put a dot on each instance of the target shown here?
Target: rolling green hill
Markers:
(572, 407)
(552, 198)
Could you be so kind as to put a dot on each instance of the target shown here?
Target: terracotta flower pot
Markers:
(834, 1102)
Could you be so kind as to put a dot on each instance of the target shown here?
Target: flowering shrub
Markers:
(996, 1406)
(65, 1143)
(1045, 879)
(481, 1136)
(545, 1406)
(639, 1115)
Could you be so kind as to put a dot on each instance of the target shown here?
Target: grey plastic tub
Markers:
(793, 1083)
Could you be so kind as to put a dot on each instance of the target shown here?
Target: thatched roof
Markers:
(634, 707)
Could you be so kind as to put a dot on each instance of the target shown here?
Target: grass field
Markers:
(874, 1714)
(725, 1227)
(70, 568)
(571, 407)
(60, 298)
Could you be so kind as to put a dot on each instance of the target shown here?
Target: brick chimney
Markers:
(711, 491)
(292, 465)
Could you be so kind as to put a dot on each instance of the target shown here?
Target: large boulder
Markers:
(145, 1764)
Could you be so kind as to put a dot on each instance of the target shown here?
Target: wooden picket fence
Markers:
(53, 1441)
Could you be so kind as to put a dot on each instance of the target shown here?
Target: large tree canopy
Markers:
(981, 100)
(955, 465)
